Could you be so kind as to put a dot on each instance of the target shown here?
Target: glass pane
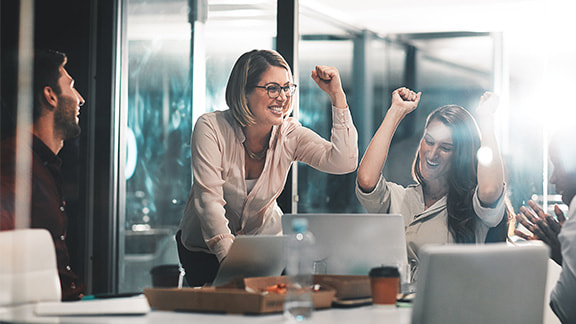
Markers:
(392, 56)
(449, 70)
(232, 29)
(324, 41)
(319, 191)
(327, 41)
(160, 114)
(157, 171)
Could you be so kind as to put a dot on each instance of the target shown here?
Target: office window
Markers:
(157, 130)
(176, 70)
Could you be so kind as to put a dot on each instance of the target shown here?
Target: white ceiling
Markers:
(407, 16)
(536, 32)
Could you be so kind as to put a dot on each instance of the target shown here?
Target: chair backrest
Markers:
(474, 284)
(28, 271)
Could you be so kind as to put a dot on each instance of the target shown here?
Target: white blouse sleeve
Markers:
(491, 216)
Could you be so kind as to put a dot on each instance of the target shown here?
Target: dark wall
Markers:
(8, 63)
(62, 25)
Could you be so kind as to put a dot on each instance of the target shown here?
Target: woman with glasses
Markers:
(458, 197)
(241, 158)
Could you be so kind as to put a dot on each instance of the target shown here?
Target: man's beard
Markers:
(65, 118)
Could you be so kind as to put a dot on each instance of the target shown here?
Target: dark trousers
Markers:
(200, 267)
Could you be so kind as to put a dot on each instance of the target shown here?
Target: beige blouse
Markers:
(219, 207)
(428, 226)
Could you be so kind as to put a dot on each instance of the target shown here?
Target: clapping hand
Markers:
(542, 227)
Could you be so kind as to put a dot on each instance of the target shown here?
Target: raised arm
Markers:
(490, 171)
(404, 101)
(340, 154)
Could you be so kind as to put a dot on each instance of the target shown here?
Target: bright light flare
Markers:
(485, 156)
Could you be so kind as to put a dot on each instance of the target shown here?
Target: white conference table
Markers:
(365, 314)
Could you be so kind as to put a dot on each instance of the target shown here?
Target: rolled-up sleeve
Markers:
(376, 201)
(492, 215)
(337, 156)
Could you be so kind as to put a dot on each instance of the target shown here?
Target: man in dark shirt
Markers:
(55, 115)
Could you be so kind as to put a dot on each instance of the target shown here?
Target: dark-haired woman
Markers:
(241, 158)
(457, 199)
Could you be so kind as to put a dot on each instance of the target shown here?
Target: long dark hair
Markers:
(462, 177)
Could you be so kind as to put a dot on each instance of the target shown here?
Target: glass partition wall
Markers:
(168, 44)
(158, 116)
(177, 55)
(159, 102)
(449, 68)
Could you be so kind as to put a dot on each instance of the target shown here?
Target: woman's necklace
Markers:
(258, 155)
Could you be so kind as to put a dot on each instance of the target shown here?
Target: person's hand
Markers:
(542, 227)
(488, 104)
(328, 79)
(405, 100)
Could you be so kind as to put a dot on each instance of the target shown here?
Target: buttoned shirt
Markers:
(47, 206)
(220, 207)
(425, 225)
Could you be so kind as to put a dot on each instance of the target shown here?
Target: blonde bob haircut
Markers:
(245, 76)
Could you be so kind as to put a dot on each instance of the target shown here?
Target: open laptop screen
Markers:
(252, 256)
(352, 244)
(477, 284)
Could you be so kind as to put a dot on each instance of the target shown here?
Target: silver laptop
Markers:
(352, 244)
(252, 256)
(492, 283)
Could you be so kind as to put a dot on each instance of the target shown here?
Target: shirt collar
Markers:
(240, 134)
(45, 153)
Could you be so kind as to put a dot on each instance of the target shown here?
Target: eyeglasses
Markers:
(273, 89)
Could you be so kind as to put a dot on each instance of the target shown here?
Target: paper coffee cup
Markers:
(384, 283)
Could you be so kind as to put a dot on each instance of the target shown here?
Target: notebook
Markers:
(136, 305)
(352, 244)
(252, 256)
(492, 283)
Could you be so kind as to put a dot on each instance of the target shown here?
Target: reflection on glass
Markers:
(447, 68)
(319, 191)
(233, 28)
(160, 115)
(447, 72)
(157, 171)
